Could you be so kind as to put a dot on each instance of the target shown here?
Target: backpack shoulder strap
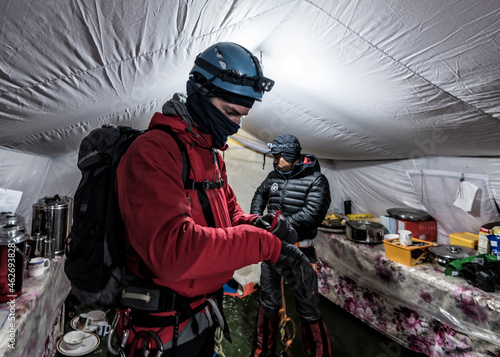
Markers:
(186, 167)
(200, 187)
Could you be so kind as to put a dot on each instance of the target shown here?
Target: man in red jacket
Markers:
(185, 240)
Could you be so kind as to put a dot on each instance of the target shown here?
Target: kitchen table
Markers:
(37, 315)
(419, 306)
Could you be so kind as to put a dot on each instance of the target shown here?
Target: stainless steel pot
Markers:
(365, 232)
(446, 253)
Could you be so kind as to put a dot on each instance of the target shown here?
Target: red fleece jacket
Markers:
(165, 226)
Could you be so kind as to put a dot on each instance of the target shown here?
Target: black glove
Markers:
(293, 260)
(264, 221)
(282, 228)
(291, 256)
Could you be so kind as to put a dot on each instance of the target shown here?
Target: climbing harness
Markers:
(287, 325)
(219, 331)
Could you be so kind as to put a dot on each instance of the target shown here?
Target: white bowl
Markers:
(74, 339)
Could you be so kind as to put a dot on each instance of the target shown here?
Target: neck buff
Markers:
(295, 168)
(208, 117)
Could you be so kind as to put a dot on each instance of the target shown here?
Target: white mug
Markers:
(405, 237)
(37, 266)
(103, 328)
(85, 321)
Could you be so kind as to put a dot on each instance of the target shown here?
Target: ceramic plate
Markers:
(88, 345)
(74, 324)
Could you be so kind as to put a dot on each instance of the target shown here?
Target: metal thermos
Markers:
(347, 207)
(13, 250)
(52, 218)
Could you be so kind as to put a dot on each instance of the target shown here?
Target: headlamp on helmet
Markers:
(259, 83)
(232, 68)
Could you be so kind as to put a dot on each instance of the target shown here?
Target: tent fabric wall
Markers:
(374, 88)
(375, 186)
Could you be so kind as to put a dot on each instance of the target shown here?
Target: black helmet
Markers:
(232, 68)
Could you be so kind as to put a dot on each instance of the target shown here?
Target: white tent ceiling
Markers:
(355, 80)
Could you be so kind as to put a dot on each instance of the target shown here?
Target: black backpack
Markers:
(96, 248)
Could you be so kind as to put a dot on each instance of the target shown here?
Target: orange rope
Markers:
(285, 329)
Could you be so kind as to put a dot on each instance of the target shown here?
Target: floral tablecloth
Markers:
(419, 306)
(37, 315)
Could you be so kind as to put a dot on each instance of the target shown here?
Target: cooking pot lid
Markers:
(54, 202)
(409, 214)
(11, 234)
(452, 251)
(365, 225)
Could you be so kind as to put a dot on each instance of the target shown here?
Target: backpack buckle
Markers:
(206, 185)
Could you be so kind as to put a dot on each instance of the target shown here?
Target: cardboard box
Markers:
(494, 242)
(465, 239)
(484, 245)
(424, 230)
(409, 255)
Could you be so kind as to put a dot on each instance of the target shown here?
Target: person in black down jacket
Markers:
(301, 193)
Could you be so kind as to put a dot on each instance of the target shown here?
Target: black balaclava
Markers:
(208, 117)
(288, 146)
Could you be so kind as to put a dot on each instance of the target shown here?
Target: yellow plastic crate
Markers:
(465, 239)
(408, 255)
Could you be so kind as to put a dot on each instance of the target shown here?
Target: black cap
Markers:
(287, 145)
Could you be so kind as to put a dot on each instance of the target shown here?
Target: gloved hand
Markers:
(292, 259)
(264, 221)
(282, 228)
(291, 256)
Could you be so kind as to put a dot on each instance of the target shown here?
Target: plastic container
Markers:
(425, 230)
(410, 255)
(465, 239)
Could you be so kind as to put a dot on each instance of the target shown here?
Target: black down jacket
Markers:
(303, 197)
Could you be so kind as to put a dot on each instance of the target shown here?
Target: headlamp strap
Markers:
(231, 76)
